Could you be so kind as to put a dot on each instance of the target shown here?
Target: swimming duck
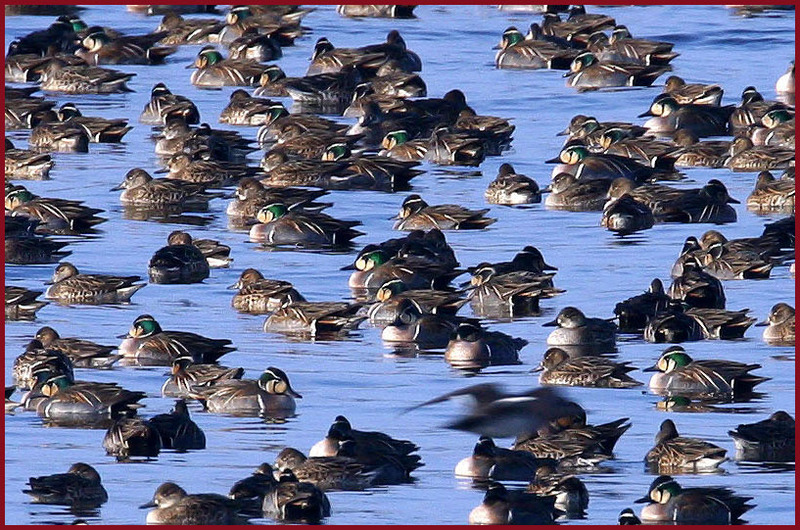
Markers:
(375, 268)
(627, 517)
(325, 472)
(271, 395)
(255, 47)
(679, 373)
(329, 59)
(278, 225)
(260, 296)
(140, 189)
(646, 150)
(174, 506)
(574, 328)
(386, 173)
(634, 313)
(770, 440)
(569, 193)
(164, 103)
(25, 164)
(571, 494)
(411, 325)
(64, 137)
(282, 126)
(21, 303)
(675, 452)
(99, 48)
(697, 288)
(331, 91)
(785, 83)
(703, 120)
(744, 156)
(578, 27)
(400, 146)
(251, 195)
(293, 500)
(673, 324)
(504, 507)
(453, 147)
(516, 292)
(621, 46)
(511, 188)
(59, 76)
(281, 22)
(100, 130)
(752, 109)
(709, 204)
(472, 347)
(179, 262)
(575, 445)
(625, 215)
(244, 109)
(214, 71)
(726, 263)
(375, 11)
(82, 353)
(62, 400)
(212, 173)
(132, 437)
(579, 161)
(669, 502)
(58, 37)
(692, 93)
(201, 142)
(389, 302)
(694, 153)
(193, 30)
(386, 469)
(416, 214)
(35, 359)
(146, 343)
(515, 51)
(317, 319)
(587, 72)
(557, 368)
(69, 286)
(177, 430)
(186, 374)
(590, 130)
(780, 325)
(54, 215)
(341, 429)
(80, 487)
(491, 462)
(25, 247)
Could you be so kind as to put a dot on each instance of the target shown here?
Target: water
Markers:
(361, 378)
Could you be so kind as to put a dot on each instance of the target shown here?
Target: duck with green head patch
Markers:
(54, 215)
(35, 359)
(251, 195)
(678, 373)
(282, 126)
(375, 267)
(99, 130)
(48, 132)
(587, 72)
(449, 146)
(703, 120)
(579, 161)
(214, 71)
(278, 225)
(515, 51)
(186, 374)
(400, 146)
(164, 103)
(387, 173)
(269, 395)
(646, 150)
(669, 502)
(389, 299)
(776, 128)
(147, 344)
(416, 214)
(590, 130)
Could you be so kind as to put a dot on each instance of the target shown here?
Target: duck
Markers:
(164, 103)
(694, 153)
(574, 328)
(416, 214)
(491, 462)
(375, 267)
(59, 37)
(386, 173)
(293, 500)
(386, 469)
(589, 129)
(174, 506)
(330, 91)
(317, 319)
(721, 323)
(26, 248)
(669, 502)
(64, 137)
(215, 253)
(625, 215)
(577, 28)
(709, 204)
(328, 59)
(504, 507)
(646, 150)
(270, 395)
(21, 303)
(60, 76)
(214, 71)
(412, 326)
(515, 51)
(579, 161)
(243, 109)
(453, 147)
(770, 440)
(566, 192)
(571, 494)
(182, 30)
(327, 175)
(54, 215)
(140, 189)
(726, 263)
(627, 517)
(278, 225)
(703, 120)
(99, 130)
(11, 405)
(779, 325)
(82, 353)
(634, 313)
(179, 262)
(697, 288)
(69, 286)
(557, 368)
(211, 173)
(673, 324)
(281, 22)
(325, 472)
(515, 292)
(99, 48)
(342, 429)
(399, 145)
(752, 109)
(282, 126)
(776, 129)
(375, 11)
(80, 487)
(472, 347)
(621, 47)
(745, 156)
(201, 142)
(60, 399)
(260, 296)
(677, 372)
(510, 188)
(132, 437)
(146, 343)
(692, 93)
(186, 374)
(177, 430)
(785, 83)
(675, 452)
(255, 47)
(389, 302)
(26, 165)
(587, 72)
(251, 195)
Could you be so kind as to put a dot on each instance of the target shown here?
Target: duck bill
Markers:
(643, 500)
(546, 189)
(565, 132)
(189, 67)
(549, 267)
(567, 74)
(555, 160)
(731, 200)
(762, 324)
(551, 324)
(161, 171)
(124, 336)
(290, 391)
(236, 285)
(150, 504)
(350, 267)
(538, 369)
(646, 114)
(653, 368)
(116, 188)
